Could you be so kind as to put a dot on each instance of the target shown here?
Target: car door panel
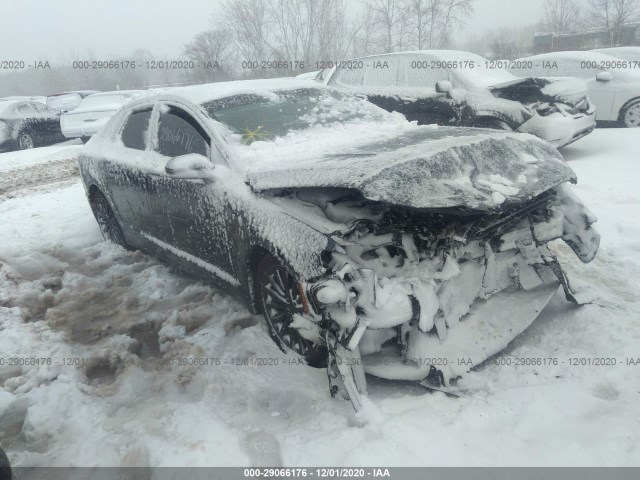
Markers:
(195, 213)
(602, 95)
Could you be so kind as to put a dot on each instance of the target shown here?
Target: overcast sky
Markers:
(55, 29)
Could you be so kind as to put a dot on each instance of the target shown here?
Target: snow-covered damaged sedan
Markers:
(370, 244)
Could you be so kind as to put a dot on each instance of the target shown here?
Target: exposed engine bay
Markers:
(408, 293)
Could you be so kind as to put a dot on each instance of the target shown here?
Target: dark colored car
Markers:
(5, 466)
(369, 243)
(449, 87)
(25, 125)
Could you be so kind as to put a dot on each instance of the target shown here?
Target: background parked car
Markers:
(26, 98)
(26, 125)
(93, 112)
(630, 54)
(450, 87)
(67, 101)
(5, 467)
(614, 91)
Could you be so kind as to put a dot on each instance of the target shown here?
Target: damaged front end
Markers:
(412, 292)
(561, 111)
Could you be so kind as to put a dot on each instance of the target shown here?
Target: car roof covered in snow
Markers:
(126, 93)
(441, 54)
(200, 94)
(583, 56)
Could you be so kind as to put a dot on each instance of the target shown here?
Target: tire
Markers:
(494, 123)
(26, 140)
(107, 220)
(630, 115)
(5, 467)
(279, 299)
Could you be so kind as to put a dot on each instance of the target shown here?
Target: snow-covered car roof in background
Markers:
(126, 93)
(77, 92)
(616, 50)
(104, 100)
(477, 76)
(583, 56)
(441, 54)
(199, 94)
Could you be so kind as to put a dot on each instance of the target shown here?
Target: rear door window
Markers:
(134, 132)
(180, 134)
(26, 109)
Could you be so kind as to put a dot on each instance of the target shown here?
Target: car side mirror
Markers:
(444, 86)
(192, 166)
(604, 77)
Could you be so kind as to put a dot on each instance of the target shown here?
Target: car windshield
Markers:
(263, 117)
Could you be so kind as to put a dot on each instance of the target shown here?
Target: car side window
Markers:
(180, 134)
(134, 132)
(26, 109)
(382, 71)
(347, 77)
(417, 72)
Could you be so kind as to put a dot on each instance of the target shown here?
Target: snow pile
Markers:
(133, 407)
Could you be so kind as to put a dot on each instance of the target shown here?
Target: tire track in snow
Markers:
(13, 181)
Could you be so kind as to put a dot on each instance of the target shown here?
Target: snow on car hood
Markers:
(531, 90)
(426, 167)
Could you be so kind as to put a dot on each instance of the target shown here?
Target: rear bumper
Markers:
(560, 129)
(73, 129)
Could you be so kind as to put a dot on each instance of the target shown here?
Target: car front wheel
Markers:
(630, 115)
(107, 221)
(282, 305)
(26, 141)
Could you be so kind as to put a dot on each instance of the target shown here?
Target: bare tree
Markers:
(432, 21)
(624, 11)
(363, 34)
(453, 13)
(612, 15)
(212, 52)
(249, 22)
(511, 43)
(390, 21)
(561, 16)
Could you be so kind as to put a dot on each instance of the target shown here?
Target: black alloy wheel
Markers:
(280, 299)
(107, 220)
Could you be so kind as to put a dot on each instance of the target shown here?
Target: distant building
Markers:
(585, 40)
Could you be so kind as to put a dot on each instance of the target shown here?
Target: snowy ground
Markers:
(124, 321)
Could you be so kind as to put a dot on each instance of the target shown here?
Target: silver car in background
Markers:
(93, 112)
(66, 101)
(629, 54)
(613, 89)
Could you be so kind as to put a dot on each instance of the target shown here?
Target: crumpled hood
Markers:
(532, 90)
(430, 167)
